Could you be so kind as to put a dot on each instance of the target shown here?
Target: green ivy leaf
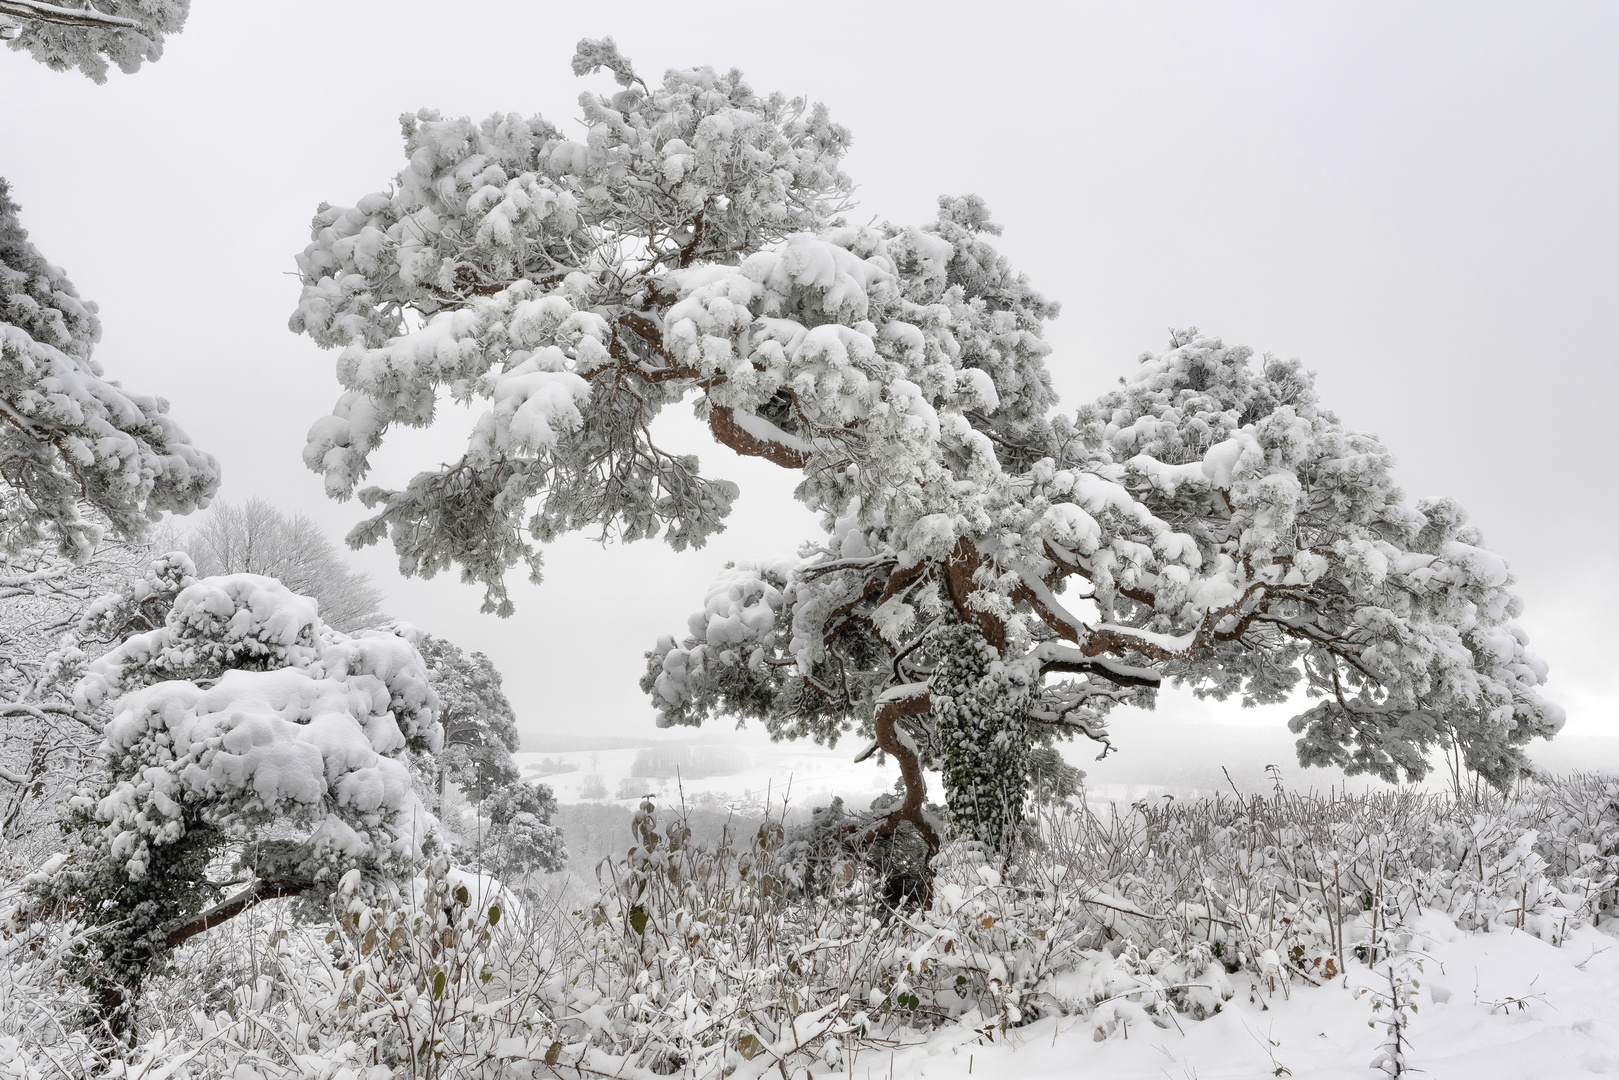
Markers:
(494, 914)
(439, 982)
(638, 919)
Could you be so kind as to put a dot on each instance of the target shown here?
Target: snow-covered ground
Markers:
(1497, 1006)
(1502, 1005)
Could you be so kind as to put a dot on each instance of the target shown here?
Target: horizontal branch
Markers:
(1058, 657)
(254, 894)
(45, 710)
(722, 422)
(64, 16)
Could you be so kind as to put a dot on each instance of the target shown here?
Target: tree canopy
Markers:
(92, 37)
(1209, 523)
(79, 454)
(512, 833)
(255, 537)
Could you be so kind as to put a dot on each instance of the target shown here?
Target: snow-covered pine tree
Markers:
(253, 753)
(1209, 523)
(80, 458)
(78, 454)
(91, 37)
(480, 736)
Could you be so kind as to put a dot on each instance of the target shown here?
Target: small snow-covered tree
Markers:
(480, 735)
(257, 538)
(78, 454)
(93, 34)
(253, 751)
(1210, 523)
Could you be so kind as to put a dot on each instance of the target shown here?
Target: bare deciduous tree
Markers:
(256, 537)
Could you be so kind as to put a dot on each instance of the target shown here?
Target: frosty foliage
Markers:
(980, 709)
(536, 269)
(93, 36)
(250, 747)
(47, 742)
(719, 959)
(69, 439)
(507, 826)
(1216, 527)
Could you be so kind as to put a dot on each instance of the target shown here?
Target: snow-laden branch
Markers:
(47, 710)
(39, 11)
(256, 893)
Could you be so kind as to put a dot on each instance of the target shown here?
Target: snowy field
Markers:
(741, 777)
(1497, 1006)
(1156, 758)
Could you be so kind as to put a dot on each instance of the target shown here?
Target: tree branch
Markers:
(254, 894)
(722, 422)
(909, 700)
(40, 711)
(63, 16)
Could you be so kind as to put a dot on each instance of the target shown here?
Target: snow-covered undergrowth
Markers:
(1198, 938)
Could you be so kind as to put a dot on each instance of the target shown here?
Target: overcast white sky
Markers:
(1419, 200)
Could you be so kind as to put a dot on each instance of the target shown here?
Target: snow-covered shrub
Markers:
(252, 747)
(740, 953)
(434, 981)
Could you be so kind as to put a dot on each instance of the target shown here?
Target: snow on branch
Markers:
(243, 725)
(92, 37)
(65, 16)
(72, 441)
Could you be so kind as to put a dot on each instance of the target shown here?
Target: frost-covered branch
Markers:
(92, 36)
(65, 16)
(76, 450)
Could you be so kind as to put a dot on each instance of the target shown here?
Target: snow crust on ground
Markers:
(1498, 1006)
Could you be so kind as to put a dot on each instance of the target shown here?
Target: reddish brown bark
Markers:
(910, 768)
(964, 561)
(725, 429)
(254, 894)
